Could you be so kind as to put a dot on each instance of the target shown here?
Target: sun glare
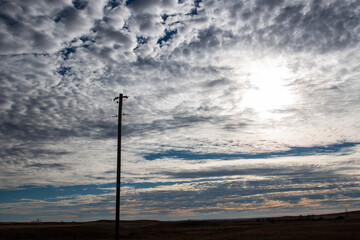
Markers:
(268, 92)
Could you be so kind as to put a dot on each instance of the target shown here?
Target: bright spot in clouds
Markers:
(268, 91)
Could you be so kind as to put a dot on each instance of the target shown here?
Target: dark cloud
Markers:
(70, 17)
(235, 171)
(242, 195)
(269, 3)
(17, 30)
(316, 26)
(161, 125)
(210, 38)
(145, 22)
(113, 39)
(8, 20)
(25, 153)
(56, 166)
(111, 34)
(216, 83)
(34, 132)
(323, 27)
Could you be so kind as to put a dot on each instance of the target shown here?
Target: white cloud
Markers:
(188, 70)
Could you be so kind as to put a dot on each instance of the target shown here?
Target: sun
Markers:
(268, 92)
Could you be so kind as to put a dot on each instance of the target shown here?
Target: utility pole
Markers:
(118, 175)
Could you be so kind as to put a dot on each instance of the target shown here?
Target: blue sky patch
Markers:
(113, 3)
(294, 151)
(156, 184)
(67, 51)
(80, 4)
(194, 11)
(168, 35)
(63, 70)
(164, 17)
(128, 2)
(141, 40)
(49, 192)
(197, 3)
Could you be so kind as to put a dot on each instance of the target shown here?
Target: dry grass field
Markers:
(345, 226)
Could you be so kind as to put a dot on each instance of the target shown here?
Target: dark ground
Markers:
(342, 226)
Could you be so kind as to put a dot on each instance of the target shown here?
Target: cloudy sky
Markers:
(236, 108)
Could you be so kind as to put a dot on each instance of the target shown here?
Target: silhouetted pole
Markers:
(118, 174)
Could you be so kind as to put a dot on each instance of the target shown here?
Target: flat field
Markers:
(341, 226)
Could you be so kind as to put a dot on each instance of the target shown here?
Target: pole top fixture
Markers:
(119, 97)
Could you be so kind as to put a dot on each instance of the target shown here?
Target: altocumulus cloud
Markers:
(236, 108)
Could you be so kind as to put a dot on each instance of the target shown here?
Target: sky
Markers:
(236, 109)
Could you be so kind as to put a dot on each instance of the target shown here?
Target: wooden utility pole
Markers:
(118, 174)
